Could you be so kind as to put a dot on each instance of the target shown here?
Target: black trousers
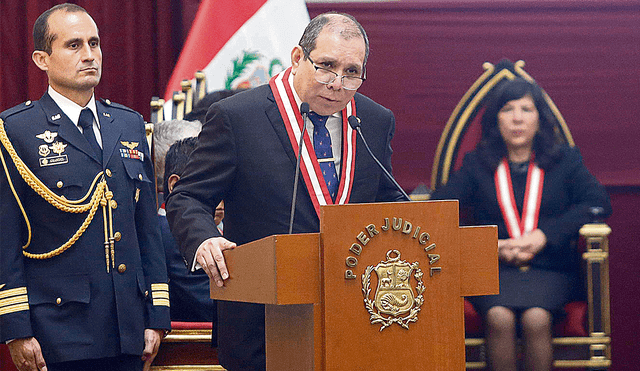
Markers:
(120, 363)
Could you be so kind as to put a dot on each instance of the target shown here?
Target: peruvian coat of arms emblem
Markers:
(394, 295)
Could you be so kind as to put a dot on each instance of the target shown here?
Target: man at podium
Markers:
(247, 154)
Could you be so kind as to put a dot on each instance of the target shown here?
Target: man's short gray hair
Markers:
(165, 133)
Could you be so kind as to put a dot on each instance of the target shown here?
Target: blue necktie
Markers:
(324, 153)
(86, 123)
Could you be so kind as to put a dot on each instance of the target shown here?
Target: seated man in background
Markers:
(165, 133)
(189, 292)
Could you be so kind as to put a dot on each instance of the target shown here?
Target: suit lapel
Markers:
(278, 126)
(66, 129)
(110, 131)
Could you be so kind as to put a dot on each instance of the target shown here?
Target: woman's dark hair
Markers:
(547, 141)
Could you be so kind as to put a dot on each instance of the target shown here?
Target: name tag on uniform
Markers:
(54, 160)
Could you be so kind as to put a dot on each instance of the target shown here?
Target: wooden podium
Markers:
(380, 287)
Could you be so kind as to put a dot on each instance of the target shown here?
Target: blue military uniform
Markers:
(92, 276)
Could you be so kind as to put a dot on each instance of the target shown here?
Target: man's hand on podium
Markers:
(209, 256)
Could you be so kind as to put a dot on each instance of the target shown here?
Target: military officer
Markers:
(83, 283)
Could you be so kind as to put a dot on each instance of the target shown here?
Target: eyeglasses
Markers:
(326, 76)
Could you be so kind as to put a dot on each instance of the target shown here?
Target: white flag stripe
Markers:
(272, 31)
(267, 33)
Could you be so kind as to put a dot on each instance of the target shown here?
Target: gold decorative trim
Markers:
(161, 302)
(14, 308)
(188, 336)
(13, 292)
(160, 294)
(14, 300)
(385, 300)
(160, 286)
(595, 230)
(489, 68)
(465, 117)
(582, 363)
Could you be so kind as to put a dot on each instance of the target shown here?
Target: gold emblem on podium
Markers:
(394, 296)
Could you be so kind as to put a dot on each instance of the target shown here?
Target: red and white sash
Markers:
(516, 225)
(282, 88)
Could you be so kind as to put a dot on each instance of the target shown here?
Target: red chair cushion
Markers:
(175, 325)
(574, 323)
(472, 320)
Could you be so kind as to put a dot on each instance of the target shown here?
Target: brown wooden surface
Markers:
(336, 332)
(279, 269)
(436, 340)
(289, 337)
(479, 259)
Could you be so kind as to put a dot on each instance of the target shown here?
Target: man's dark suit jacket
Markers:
(76, 310)
(189, 292)
(244, 156)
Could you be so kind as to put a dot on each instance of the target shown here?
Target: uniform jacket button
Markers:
(140, 176)
(108, 172)
(60, 184)
(122, 268)
(117, 236)
(58, 301)
(114, 204)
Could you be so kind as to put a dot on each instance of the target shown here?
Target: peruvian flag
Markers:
(239, 44)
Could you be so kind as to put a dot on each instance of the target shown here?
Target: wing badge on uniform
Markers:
(130, 145)
(47, 136)
(131, 151)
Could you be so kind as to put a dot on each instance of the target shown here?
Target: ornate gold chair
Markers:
(583, 339)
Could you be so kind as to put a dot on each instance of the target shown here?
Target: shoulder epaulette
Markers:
(16, 109)
(117, 105)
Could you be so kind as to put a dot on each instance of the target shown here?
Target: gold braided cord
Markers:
(36, 184)
(15, 194)
(95, 202)
(59, 202)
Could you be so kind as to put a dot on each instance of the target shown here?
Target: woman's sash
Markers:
(519, 225)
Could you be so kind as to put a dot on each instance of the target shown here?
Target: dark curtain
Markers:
(140, 40)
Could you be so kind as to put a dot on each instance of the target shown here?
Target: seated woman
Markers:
(536, 189)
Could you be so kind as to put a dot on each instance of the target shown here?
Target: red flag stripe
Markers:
(215, 23)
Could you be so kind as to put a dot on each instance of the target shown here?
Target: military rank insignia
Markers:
(52, 145)
(130, 151)
(47, 136)
(394, 300)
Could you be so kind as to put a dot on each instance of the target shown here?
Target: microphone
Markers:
(304, 110)
(354, 122)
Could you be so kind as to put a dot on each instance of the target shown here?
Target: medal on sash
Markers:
(519, 225)
(282, 88)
